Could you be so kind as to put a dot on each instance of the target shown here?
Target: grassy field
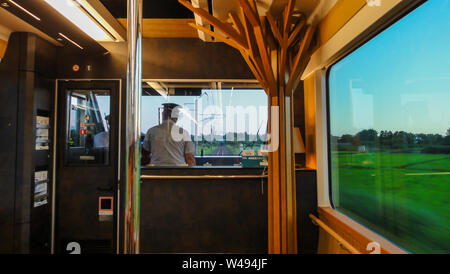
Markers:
(207, 149)
(402, 196)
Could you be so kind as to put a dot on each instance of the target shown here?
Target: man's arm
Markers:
(189, 149)
(145, 159)
(190, 159)
(146, 150)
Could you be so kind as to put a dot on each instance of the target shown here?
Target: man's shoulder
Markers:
(153, 128)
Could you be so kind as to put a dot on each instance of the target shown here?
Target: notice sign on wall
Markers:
(42, 131)
(40, 188)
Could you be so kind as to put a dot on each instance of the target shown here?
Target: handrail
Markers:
(201, 177)
(333, 234)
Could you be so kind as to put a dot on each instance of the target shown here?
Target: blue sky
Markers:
(400, 80)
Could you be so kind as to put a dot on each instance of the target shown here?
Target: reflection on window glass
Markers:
(390, 131)
(222, 124)
(88, 116)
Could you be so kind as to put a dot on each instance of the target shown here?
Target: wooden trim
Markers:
(354, 233)
(226, 28)
(165, 28)
(3, 46)
(296, 71)
(338, 16)
(310, 122)
(333, 233)
(201, 177)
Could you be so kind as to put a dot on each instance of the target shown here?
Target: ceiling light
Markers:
(161, 90)
(24, 10)
(71, 41)
(75, 13)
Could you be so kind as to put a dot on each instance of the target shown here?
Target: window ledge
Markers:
(356, 234)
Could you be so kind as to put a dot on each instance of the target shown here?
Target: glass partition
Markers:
(224, 121)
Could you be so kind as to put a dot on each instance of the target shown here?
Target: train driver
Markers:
(167, 144)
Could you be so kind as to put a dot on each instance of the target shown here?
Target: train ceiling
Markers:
(152, 9)
(162, 18)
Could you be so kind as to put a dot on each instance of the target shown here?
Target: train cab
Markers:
(224, 127)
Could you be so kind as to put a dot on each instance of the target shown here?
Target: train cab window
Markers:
(87, 136)
(226, 122)
(389, 131)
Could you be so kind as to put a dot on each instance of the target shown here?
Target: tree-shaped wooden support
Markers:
(276, 51)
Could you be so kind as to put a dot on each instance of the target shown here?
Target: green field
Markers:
(402, 196)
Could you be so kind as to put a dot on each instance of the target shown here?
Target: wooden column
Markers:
(276, 51)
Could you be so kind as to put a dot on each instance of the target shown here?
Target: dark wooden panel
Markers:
(151, 9)
(306, 189)
(299, 119)
(162, 59)
(45, 62)
(7, 173)
(8, 123)
(25, 147)
(214, 216)
(22, 92)
(9, 76)
(40, 223)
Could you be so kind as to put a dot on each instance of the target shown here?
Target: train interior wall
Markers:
(28, 72)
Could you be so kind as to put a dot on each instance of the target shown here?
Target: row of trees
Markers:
(389, 139)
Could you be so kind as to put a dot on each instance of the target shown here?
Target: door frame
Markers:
(56, 151)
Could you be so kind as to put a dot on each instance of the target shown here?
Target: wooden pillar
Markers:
(265, 44)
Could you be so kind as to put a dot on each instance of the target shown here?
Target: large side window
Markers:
(389, 131)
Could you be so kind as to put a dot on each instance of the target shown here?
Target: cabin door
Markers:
(87, 153)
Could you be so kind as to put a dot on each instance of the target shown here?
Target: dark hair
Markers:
(167, 112)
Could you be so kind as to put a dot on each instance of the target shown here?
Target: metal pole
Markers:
(133, 164)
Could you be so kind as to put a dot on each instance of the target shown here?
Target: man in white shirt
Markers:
(168, 144)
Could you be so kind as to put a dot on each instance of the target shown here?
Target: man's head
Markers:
(171, 111)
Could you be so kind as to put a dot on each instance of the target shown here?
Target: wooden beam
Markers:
(250, 37)
(226, 28)
(254, 69)
(304, 45)
(218, 36)
(294, 35)
(3, 46)
(287, 16)
(250, 13)
(165, 28)
(237, 23)
(262, 46)
(274, 185)
(203, 4)
(274, 28)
